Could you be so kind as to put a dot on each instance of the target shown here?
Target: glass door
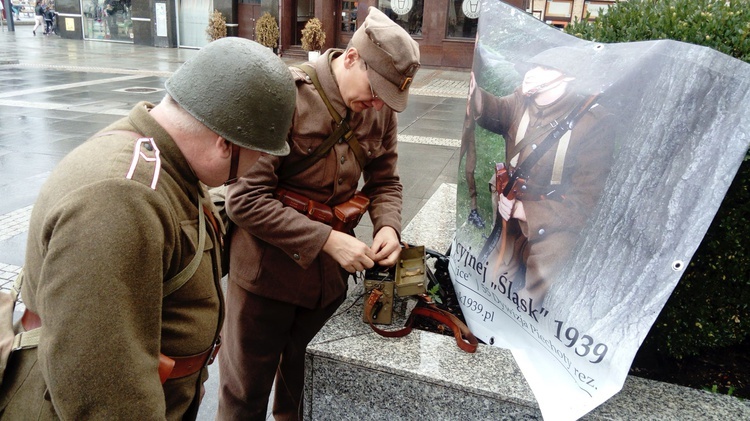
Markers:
(192, 21)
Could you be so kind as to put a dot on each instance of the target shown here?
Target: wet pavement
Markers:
(55, 93)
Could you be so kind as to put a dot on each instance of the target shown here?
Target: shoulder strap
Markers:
(550, 140)
(176, 282)
(342, 131)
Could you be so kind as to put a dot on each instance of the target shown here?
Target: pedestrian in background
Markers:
(38, 16)
(49, 20)
(122, 268)
(288, 273)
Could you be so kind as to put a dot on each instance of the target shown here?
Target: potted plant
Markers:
(313, 38)
(267, 31)
(217, 26)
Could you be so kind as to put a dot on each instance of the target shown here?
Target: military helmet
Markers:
(240, 90)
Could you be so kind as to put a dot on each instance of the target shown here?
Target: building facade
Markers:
(444, 29)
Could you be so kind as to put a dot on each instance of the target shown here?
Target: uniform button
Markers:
(541, 231)
(148, 146)
(341, 180)
(523, 187)
(309, 150)
(341, 140)
(369, 153)
(533, 146)
(296, 256)
(343, 159)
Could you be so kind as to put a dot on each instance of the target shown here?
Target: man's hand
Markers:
(352, 254)
(386, 247)
(511, 209)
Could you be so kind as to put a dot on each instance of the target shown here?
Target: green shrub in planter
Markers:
(313, 36)
(217, 26)
(710, 307)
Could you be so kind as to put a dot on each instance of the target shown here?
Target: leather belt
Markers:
(169, 367)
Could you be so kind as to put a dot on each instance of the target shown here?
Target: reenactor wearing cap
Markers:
(122, 266)
(559, 143)
(288, 261)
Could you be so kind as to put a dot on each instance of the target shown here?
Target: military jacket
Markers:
(277, 253)
(114, 220)
(559, 199)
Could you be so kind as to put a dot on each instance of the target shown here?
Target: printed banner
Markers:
(589, 174)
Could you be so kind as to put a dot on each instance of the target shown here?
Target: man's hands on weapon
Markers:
(352, 254)
(511, 209)
(386, 247)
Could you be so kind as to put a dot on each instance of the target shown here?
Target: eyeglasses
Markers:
(370, 83)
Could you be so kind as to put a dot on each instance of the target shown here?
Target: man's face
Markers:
(357, 93)
(540, 79)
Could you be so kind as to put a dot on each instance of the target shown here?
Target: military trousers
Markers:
(262, 340)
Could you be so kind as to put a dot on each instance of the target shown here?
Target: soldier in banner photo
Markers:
(558, 151)
(122, 272)
(293, 248)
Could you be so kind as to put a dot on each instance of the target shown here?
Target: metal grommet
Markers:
(148, 146)
(678, 265)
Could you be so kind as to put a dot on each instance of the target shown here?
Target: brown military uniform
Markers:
(282, 287)
(562, 188)
(100, 246)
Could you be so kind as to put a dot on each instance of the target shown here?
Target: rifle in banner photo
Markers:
(509, 185)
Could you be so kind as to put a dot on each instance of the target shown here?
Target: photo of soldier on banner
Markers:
(589, 174)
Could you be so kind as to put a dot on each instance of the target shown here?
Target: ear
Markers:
(223, 146)
(351, 56)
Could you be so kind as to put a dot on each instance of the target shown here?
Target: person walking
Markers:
(289, 263)
(122, 268)
(38, 15)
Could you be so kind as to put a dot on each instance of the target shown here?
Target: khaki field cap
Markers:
(392, 57)
(241, 91)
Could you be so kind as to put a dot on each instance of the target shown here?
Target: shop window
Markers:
(407, 13)
(349, 16)
(463, 16)
(107, 19)
(595, 8)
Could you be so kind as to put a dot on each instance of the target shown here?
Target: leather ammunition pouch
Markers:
(343, 217)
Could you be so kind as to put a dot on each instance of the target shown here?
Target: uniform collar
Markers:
(328, 81)
(173, 161)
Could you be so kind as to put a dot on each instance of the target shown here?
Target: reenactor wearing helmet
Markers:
(294, 247)
(122, 266)
(559, 143)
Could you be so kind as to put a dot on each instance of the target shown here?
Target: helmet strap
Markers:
(233, 166)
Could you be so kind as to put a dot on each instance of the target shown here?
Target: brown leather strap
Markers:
(233, 165)
(464, 338)
(185, 366)
(169, 367)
